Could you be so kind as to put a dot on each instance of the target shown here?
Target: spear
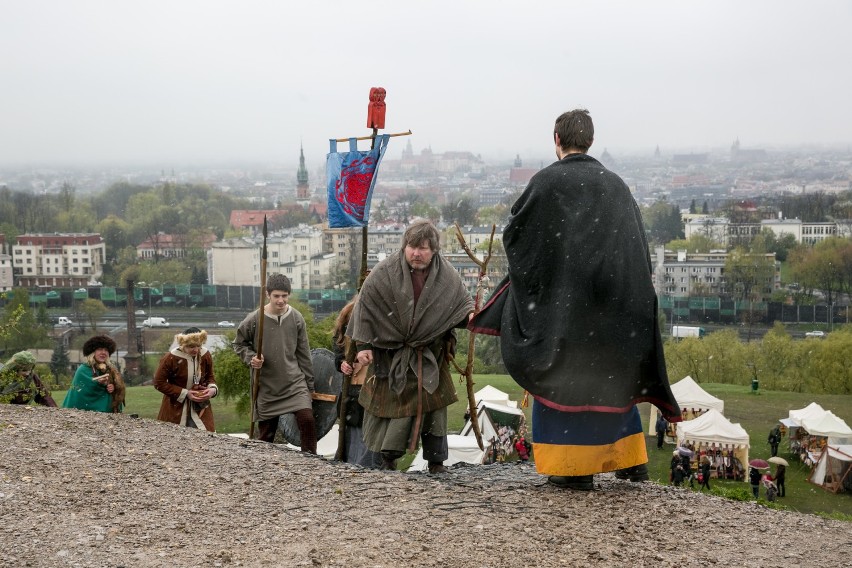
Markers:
(467, 372)
(258, 339)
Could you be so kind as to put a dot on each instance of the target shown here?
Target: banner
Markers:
(351, 178)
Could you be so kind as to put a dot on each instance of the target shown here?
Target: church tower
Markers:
(303, 190)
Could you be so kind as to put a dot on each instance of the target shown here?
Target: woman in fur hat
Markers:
(185, 377)
(20, 384)
(97, 384)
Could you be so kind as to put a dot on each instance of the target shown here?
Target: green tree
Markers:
(822, 267)
(233, 379)
(461, 211)
(116, 233)
(663, 222)
(425, 210)
(749, 275)
(59, 362)
(93, 310)
(494, 215)
(696, 243)
(20, 324)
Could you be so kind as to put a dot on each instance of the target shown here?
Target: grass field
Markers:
(757, 413)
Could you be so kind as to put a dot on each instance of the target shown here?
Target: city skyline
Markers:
(97, 82)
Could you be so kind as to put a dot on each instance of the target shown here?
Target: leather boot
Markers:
(636, 473)
(388, 463)
(576, 482)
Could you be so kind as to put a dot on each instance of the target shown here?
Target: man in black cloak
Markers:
(577, 315)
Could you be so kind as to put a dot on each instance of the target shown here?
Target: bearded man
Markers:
(403, 327)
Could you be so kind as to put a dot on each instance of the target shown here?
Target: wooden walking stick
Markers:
(467, 372)
(258, 338)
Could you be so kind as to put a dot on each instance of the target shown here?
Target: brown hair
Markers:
(278, 282)
(575, 130)
(419, 232)
(339, 335)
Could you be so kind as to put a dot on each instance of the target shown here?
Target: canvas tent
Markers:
(499, 422)
(712, 431)
(689, 395)
(461, 449)
(828, 425)
(833, 471)
(795, 417)
(493, 394)
(813, 427)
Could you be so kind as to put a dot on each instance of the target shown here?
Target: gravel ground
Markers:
(87, 489)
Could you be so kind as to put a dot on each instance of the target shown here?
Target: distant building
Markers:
(297, 253)
(58, 260)
(252, 219)
(167, 246)
(7, 280)
(729, 234)
(519, 175)
(741, 155)
(680, 273)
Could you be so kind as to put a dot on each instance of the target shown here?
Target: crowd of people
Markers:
(586, 362)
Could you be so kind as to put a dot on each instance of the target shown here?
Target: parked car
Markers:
(226, 324)
(815, 333)
(155, 322)
(139, 312)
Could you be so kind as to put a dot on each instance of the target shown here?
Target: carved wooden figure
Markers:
(376, 108)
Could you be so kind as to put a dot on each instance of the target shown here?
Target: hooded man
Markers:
(403, 327)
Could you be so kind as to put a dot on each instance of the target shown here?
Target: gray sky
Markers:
(172, 81)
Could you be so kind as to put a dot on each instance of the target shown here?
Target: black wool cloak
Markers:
(577, 313)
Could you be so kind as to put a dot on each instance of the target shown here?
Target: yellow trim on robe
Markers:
(555, 459)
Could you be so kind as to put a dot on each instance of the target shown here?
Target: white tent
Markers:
(712, 430)
(795, 417)
(493, 394)
(833, 471)
(491, 417)
(830, 426)
(461, 449)
(496, 421)
(689, 395)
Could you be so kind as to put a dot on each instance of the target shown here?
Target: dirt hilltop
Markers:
(87, 489)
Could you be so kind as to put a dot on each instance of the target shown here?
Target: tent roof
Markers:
(711, 427)
(810, 411)
(460, 449)
(501, 408)
(827, 425)
(490, 394)
(689, 395)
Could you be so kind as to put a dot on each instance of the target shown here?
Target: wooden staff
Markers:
(258, 338)
(467, 372)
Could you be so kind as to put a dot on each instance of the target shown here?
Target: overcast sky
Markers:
(176, 81)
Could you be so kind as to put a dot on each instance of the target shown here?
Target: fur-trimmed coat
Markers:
(174, 378)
